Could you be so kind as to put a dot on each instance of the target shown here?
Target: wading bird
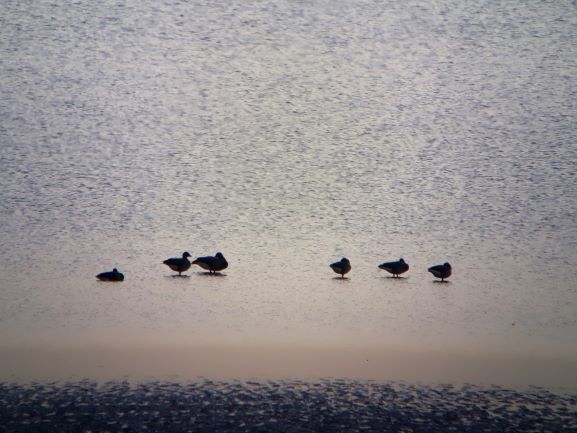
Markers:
(179, 264)
(396, 268)
(212, 264)
(341, 267)
(441, 271)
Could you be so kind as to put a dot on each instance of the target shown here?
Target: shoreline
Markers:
(251, 361)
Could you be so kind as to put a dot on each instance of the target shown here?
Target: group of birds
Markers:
(212, 264)
(396, 268)
(217, 263)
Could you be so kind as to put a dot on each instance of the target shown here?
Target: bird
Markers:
(113, 275)
(179, 264)
(341, 267)
(396, 268)
(212, 264)
(441, 271)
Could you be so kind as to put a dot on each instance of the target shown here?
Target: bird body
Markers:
(341, 267)
(441, 271)
(113, 275)
(179, 264)
(395, 268)
(213, 264)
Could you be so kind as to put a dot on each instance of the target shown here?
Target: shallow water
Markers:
(288, 135)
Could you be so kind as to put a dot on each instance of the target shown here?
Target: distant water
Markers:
(288, 134)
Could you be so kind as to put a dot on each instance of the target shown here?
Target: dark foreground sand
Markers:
(280, 406)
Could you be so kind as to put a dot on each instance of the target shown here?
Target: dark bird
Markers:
(179, 264)
(341, 267)
(396, 268)
(441, 271)
(114, 275)
(212, 264)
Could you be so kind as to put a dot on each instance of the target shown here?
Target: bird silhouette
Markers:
(341, 267)
(179, 264)
(113, 275)
(396, 268)
(212, 264)
(441, 271)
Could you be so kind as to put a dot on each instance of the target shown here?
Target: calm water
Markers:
(287, 134)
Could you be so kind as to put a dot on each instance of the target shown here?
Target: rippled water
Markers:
(286, 135)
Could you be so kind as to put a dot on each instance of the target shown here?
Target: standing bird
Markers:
(212, 264)
(396, 268)
(114, 275)
(178, 264)
(342, 267)
(441, 271)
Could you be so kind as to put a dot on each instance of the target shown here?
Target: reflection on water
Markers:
(287, 134)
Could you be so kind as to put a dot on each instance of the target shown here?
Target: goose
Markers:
(113, 275)
(441, 271)
(341, 267)
(179, 264)
(212, 264)
(396, 268)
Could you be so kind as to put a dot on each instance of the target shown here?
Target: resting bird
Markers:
(441, 271)
(212, 264)
(342, 267)
(396, 268)
(114, 275)
(178, 264)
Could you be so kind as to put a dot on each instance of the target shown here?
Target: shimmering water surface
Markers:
(288, 134)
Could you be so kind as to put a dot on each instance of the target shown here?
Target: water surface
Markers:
(287, 135)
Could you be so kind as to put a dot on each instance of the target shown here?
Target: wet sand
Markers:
(283, 406)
